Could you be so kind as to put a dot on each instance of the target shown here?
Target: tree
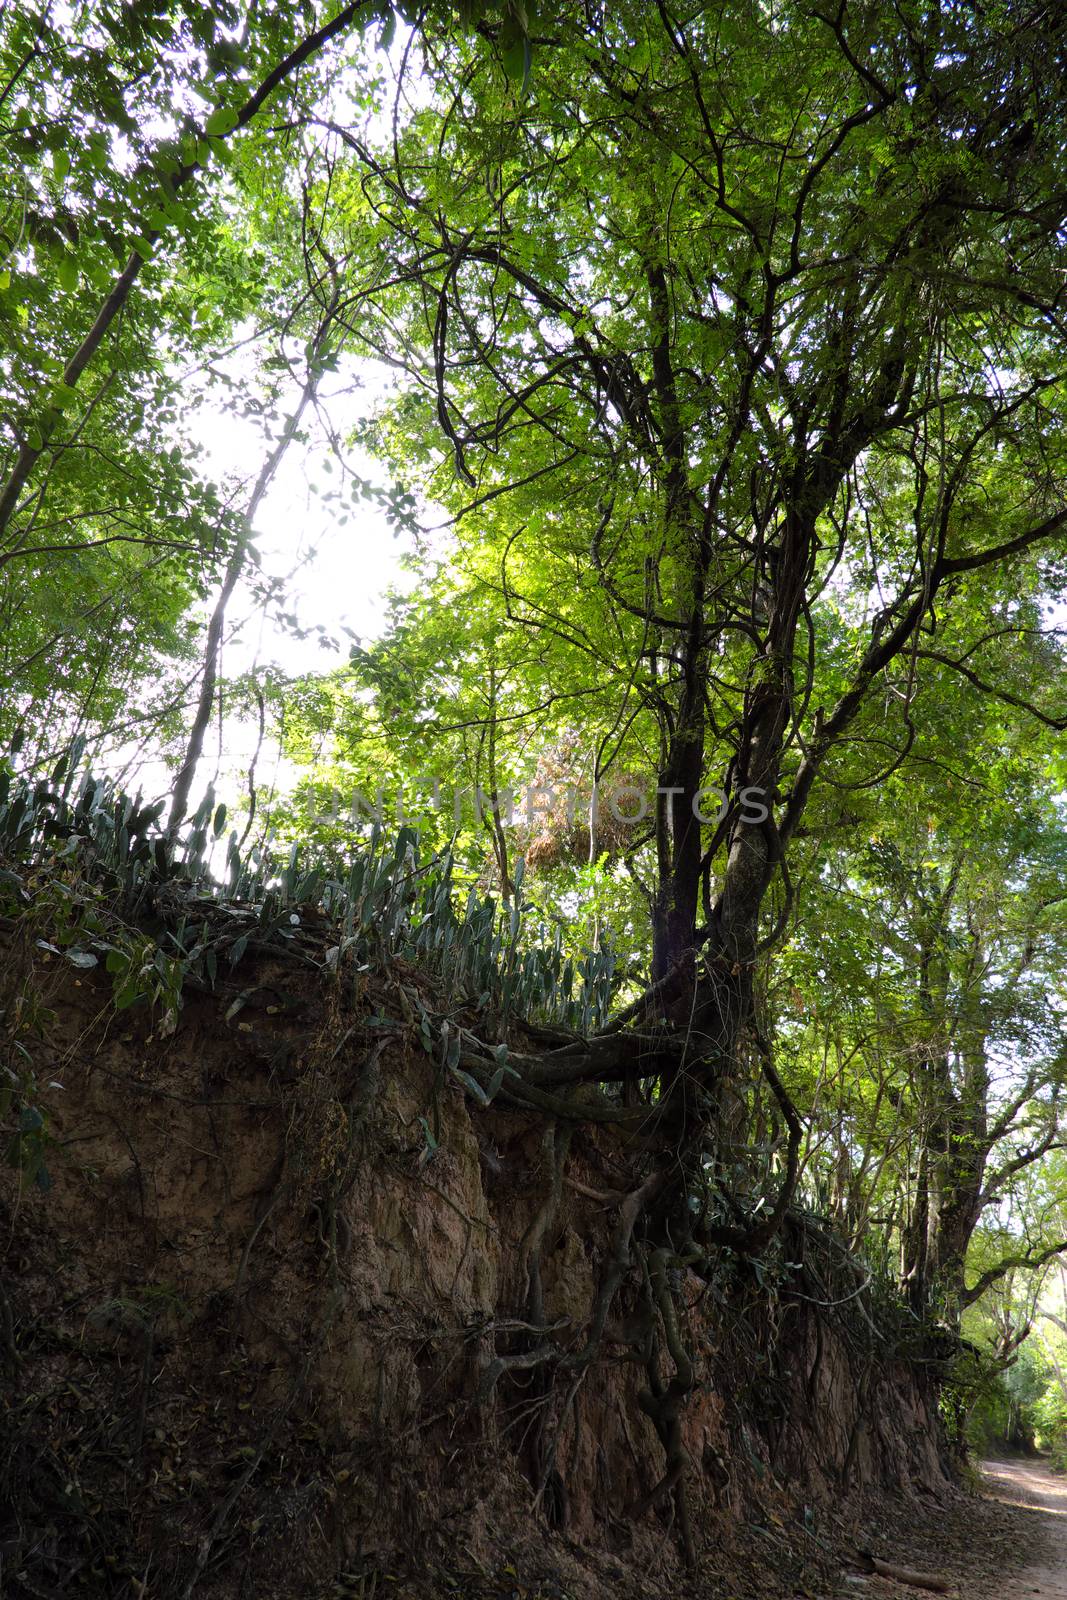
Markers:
(741, 407)
(147, 153)
(731, 343)
(928, 960)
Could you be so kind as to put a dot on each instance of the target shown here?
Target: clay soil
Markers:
(245, 1331)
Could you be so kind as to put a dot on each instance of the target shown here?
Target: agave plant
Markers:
(383, 903)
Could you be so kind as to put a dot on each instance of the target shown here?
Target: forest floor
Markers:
(1006, 1543)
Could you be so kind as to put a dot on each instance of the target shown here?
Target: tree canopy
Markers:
(727, 415)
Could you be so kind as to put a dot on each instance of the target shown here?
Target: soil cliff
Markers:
(266, 1326)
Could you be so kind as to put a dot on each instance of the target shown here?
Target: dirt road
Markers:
(1032, 1485)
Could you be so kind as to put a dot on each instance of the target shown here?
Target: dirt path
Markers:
(1030, 1484)
(1007, 1543)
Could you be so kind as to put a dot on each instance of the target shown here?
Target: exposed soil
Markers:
(264, 1334)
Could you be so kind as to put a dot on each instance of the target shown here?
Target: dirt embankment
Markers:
(267, 1333)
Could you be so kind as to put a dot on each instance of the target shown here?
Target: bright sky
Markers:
(339, 574)
(335, 577)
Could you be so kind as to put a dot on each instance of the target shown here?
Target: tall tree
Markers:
(742, 334)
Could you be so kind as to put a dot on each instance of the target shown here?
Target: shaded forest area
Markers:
(672, 885)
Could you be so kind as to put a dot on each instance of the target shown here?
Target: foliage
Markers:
(153, 176)
(730, 344)
(719, 439)
(95, 864)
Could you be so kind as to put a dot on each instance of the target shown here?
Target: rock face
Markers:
(286, 1266)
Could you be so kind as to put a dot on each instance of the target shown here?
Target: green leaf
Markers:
(494, 1083)
(472, 1085)
(220, 122)
(516, 53)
